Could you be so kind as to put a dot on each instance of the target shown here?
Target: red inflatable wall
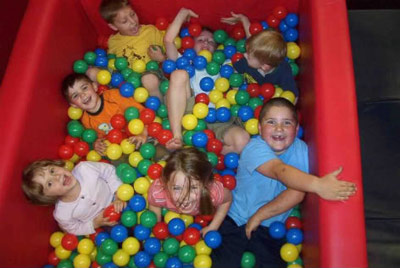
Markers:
(54, 33)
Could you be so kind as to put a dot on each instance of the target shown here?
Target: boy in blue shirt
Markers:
(270, 161)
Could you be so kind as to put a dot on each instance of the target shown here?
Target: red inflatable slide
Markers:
(54, 33)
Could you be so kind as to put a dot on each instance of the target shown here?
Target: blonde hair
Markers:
(109, 8)
(268, 47)
(34, 191)
(195, 165)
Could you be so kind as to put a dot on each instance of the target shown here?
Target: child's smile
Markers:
(185, 199)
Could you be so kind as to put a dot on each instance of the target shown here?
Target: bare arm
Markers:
(156, 210)
(283, 202)
(183, 15)
(238, 18)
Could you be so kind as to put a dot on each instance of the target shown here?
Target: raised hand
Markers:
(331, 188)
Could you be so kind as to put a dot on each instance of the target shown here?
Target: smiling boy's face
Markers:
(83, 95)
(56, 181)
(126, 22)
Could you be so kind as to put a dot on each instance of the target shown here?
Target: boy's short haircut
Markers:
(109, 8)
(278, 102)
(34, 191)
(268, 47)
(70, 80)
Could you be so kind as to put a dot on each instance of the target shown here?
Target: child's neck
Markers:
(72, 194)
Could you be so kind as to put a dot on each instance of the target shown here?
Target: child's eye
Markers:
(270, 122)
(49, 184)
(288, 123)
(51, 170)
(74, 96)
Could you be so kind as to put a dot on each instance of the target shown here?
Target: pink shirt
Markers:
(98, 182)
(157, 196)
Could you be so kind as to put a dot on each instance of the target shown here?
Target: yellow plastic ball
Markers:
(171, 215)
(220, 47)
(103, 77)
(230, 96)
(125, 192)
(93, 156)
(131, 245)
(294, 265)
(203, 261)
(74, 158)
(139, 66)
(157, 119)
(74, 113)
(206, 54)
(127, 147)
(215, 96)
(82, 261)
(187, 219)
(189, 121)
(293, 50)
(136, 126)
(182, 243)
(299, 247)
(120, 258)
(93, 254)
(223, 103)
(163, 163)
(289, 252)
(178, 42)
(111, 64)
(135, 158)
(202, 248)
(200, 110)
(289, 95)
(55, 239)
(251, 126)
(85, 246)
(221, 84)
(62, 253)
(140, 214)
(141, 185)
(141, 94)
(69, 165)
(278, 92)
(114, 151)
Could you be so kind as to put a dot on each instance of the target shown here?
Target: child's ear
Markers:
(297, 128)
(112, 26)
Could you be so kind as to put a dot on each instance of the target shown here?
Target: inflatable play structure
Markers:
(55, 33)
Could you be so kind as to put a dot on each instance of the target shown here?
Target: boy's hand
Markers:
(329, 187)
(119, 205)
(100, 146)
(100, 220)
(252, 225)
(137, 140)
(174, 144)
(185, 14)
(206, 229)
(235, 19)
(155, 53)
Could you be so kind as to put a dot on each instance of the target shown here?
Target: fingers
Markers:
(337, 172)
(248, 231)
(192, 14)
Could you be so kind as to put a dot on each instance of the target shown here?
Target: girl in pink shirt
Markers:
(188, 186)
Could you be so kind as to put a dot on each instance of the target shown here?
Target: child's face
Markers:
(255, 63)
(56, 181)
(278, 128)
(204, 41)
(181, 194)
(126, 22)
(84, 96)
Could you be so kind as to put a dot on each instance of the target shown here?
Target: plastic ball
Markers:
(131, 245)
(215, 96)
(152, 66)
(213, 239)
(101, 62)
(173, 262)
(141, 232)
(182, 62)
(199, 62)
(102, 258)
(82, 260)
(131, 113)
(127, 147)
(126, 90)
(161, 23)
(242, 97)
(138, 66)
(176, 226)
(160, 259)
(187, 42)
(207, 83)
(114, 151)
(85, 246)
(295, 68)
(160, 230)
(293, 222)
(69, 242)
(273, 21)
(134, 79)
(267, 90)
(289, 95)
(203, 261)
(277, 230)
(110, 213)
(115, 136)
(93, 156)
(125, 192)
(90, 57)
(141, 94)
(293, 50)
(289, 252)
(213, 68)
(74, 113)
(153, 129)
(100, 238)
(137, 203)
(148, 219)
(223, 103)
(128, 218)
(178, 42)
(235, 80)
(65, 151)
(236, 57)
(62, 253)
(120, 258)
(291, 35)
(143, 166)
(200, 111)
(189, 121)
(292, 20)
(116, 79)
(164, 136)
(189, 53)
(220, 36)
(170, 215)
(248, 260)
(229, 51)
(229, 181)
(142, 259)
(168, 66)
(226, 71)
(219, 57)
(238, 32)
(231, 160)
(191, 236)
(170, 246)
(103, 77)
(75, 128)
(255, 102)
(152, 246)
(56, 238)
(136, 126)
(211, 116)
(294, 236)
(202, 249)
(222, 84)
(199, 139)
(251, 126)
(245, 113)
(223, 114)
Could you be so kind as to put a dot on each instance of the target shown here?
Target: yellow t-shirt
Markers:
(135, 47)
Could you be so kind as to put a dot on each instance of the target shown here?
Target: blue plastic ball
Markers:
(207, 83)
(231, 160)
(199, 139)
(292, 20)
(213, 239)
(189, 53)
(176, 226)
(168, 66)
(100, 52)
(211, 116)
(264, 25)
(116, 79)
(191, 70)
(283, 27)
(195, 225)
(153, 103)
(245, 113)
(152, 246)
(223, 114)
(300, 133)
(182, 62)
(229, 51)
(109, 265)
(173, 262)
(277, 230)
(226, 71)
(199, 62)
(100, 237)
(227, 171)
(48, 266)
(142, 259)
(141, 232)
(184, 32)
(243, 86)
(101, 61)
(137, 202)
(294, 236)
(126, 90)
(119, 233)
(291, 35)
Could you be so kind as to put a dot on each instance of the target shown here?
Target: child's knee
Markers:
(179, 76)
(240, 140)
(150, 81)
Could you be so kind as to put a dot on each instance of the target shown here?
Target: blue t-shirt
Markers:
(281, 75)
(253, 190)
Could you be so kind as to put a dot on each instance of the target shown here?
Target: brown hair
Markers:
(268, 47)
(109, 8)
(195, 165)
(278, 102)
(69, 81)
(33, 190)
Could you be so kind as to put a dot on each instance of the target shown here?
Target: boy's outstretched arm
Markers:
(156, 210)
(328, 187)
(238, 18)
(283, 202)
(183, 15)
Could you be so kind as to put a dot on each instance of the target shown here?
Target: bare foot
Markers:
(174, 144)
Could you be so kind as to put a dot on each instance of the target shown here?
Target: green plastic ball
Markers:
(152, 66)
(213, 68)
(129, 218)
(165, 124)
(89, 135)
(213, 158)
(144, 165)
(111, 56)
(162, 111)
(235, 109)
(131, 113)
(170, 246)
(187, 137)
(248, 260)
(230, 42)
(236, 80)
(219, 57)
(121, 167)
(148, 219)
(241, 46)
(75, 128)
(109, 247)
(128, 175)
(164, 86)
(255, 102)
(102, 258)
(90, 57)
(121, 63)
(201, 125)
(220, 36)
(147, 150)
(295, 213)
(65, 264)
(242, 97)
(164, 211)
(298, 261)
(126, 73)
(160, 259)
(295, 68)
(186, 254)
(80, 66)
(134, 79)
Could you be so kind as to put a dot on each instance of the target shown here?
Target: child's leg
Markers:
(151, 82)
(177, 95)
(235, 139)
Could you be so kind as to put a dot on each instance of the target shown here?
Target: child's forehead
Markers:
(124, 11)
(274, 111)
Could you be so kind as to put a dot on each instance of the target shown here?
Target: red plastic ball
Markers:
(191, 236)
(147, 115)
(118, 121)
(214, 145)
(101, 89)
(257, 112)
(95, 265)
(200, 220)
(195, 29)
(253, 89)
(160, 230)
(203, 98)
(238, 32)
(153, 129)
(267, 90)
(115, 136)
(293, 222)
(65, 151)
(53, 259)
(218, 177)
(208, 217)
(178, 237)
(111, 214)
(229, 182)
(210, 134)
(164, 136)
(280, 12)
(236, 57)
(273, 21)
(69, 241)
(69, 140)
(187, 42)
(255, 28)
(155, 171)
(81, 148)
(162, 23)
(152, 265)
(220, 165)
